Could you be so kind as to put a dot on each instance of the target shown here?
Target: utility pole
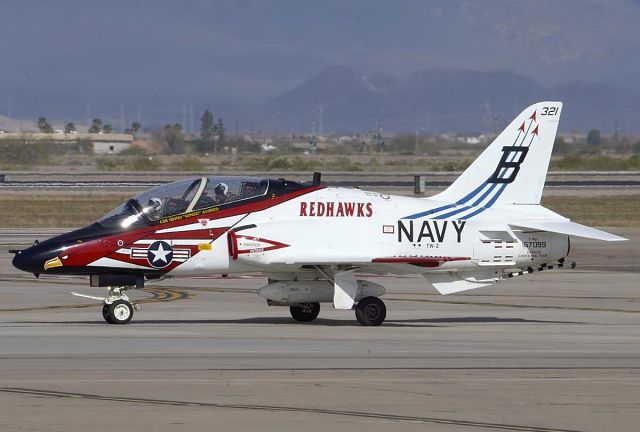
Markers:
(191, 120)
(321, 120)
(184, 117)
(122, 124)
(416, 150)
(88, 112)
(313, 145)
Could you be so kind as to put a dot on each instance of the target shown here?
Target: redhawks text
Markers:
(336, 209)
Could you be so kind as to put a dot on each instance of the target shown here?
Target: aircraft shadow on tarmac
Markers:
(419, 322)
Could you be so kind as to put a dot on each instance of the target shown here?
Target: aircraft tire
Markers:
(306, 313)
(120, 312)
(371, 311)
(105, 313)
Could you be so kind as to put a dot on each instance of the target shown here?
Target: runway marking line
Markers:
(321, 380)
(276, 408)
(158, 294)
(506, 305)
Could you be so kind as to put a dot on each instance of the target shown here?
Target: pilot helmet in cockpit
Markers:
(154, 208)
(221, 192)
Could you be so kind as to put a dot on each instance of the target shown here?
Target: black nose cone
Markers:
(28, 260)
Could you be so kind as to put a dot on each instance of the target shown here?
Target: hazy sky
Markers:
(55, 56)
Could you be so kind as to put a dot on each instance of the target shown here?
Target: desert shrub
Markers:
(133, 151)
(143, 163)
(18, 154)
(106, 164)
(578, 162)
(187, 164)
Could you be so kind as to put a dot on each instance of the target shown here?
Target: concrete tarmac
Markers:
(553, 351)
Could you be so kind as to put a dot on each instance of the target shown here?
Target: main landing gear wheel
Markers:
(118, 312)
(371, 311)
(306, 312)
(105, 313)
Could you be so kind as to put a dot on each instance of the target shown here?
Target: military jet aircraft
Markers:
(310, 239)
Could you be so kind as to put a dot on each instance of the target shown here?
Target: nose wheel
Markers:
(118, 312)
(117, 309)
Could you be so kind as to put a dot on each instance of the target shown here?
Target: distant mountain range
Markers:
(432, 64)
(437, 100)
(342, 100)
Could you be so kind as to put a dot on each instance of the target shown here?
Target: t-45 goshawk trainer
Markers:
(310, 239)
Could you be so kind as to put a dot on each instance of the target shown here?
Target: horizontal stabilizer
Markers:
(454, 282)
(569, 228)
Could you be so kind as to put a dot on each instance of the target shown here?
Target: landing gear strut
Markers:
(117, 308)
(371, 311)
(306, 312)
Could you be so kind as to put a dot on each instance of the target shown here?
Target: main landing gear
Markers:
(306, 312)
(117, 308)
(370, 311)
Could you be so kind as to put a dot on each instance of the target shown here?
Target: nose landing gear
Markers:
(118, 312)
(117, 308)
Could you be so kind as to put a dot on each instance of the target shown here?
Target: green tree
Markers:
(560, 147)
(172, 136)
(69, 127)
(96, 126)
(107, 128)
(44, 125)
(206, 126)
(594, 138)
(220, 131)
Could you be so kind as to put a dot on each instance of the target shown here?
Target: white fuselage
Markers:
(337, 225)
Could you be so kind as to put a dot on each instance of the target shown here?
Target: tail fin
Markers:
(512, 170)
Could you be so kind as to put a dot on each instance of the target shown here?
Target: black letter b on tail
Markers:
(508, 169)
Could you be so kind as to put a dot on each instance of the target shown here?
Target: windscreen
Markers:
(149, 206)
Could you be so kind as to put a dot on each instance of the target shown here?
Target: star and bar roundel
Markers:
(160, 254)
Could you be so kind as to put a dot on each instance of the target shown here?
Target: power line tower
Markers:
(378, 138)
(313, 144)
(492, 120)
(122, 125)
(184, 117)
(191, 127)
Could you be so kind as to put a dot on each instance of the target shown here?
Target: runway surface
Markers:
(554, 351)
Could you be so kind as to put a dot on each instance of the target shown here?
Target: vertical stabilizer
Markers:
(512, 170)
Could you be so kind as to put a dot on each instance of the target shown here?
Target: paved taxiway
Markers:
(554, 351)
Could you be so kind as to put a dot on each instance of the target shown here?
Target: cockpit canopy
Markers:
(182, 197)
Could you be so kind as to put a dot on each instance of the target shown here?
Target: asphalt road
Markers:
(554, 351)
